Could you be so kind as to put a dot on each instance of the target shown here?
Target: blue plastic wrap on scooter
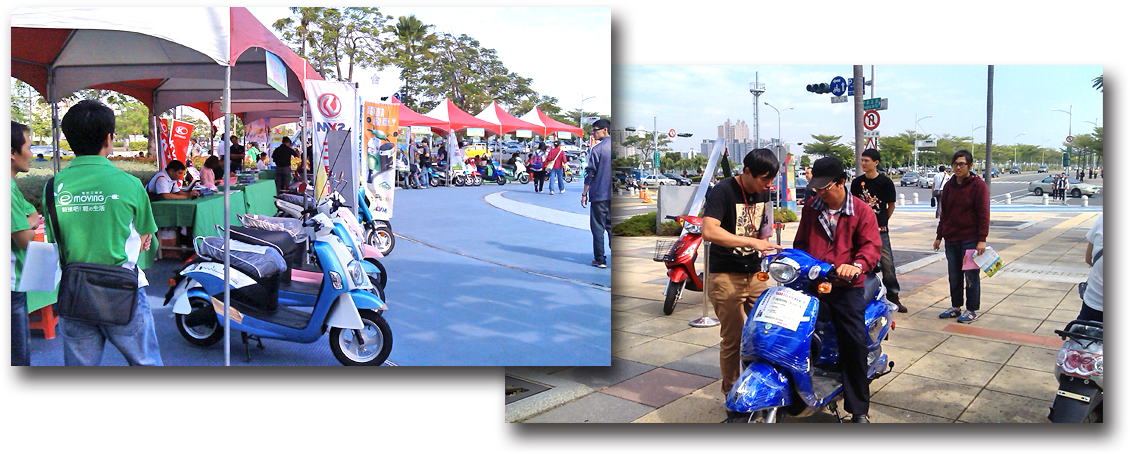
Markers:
(367, 300)
(778, 344)
(760, 386)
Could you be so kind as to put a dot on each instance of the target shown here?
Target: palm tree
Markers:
(1098, 83)
(411, 50)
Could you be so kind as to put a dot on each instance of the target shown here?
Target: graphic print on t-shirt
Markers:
(872, 201)
(744, 226)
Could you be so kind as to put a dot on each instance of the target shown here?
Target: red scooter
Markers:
(679, 257)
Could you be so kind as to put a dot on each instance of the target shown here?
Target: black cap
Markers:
(825, 170)
(601, 124)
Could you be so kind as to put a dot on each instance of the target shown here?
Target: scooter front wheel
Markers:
(381, 238)
(674, 290)
(206, 330)
(523, 178)
(368, 346)
(767, 416)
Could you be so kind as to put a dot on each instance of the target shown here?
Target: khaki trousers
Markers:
(732, 295)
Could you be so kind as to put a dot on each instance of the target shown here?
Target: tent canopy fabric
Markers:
(164, 57)
(409, 117)
(503, 121)
(456, 118)
(536, 116)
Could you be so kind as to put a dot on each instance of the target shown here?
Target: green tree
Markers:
(331, 38)
(411, 50)
(472, 76)
(805, 161)
(827, 145)
(646, 144)
(1098, 83)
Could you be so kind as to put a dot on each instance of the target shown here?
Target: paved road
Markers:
(470, 284)
(1016, 185)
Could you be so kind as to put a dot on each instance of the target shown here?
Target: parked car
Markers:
(1014, 170)
(801, 187)
(682, 181)
(909, 179)
(656, 180)
(1042, 169)
(1075, 187)
(995, 172)
(926, 180)
(471, 151)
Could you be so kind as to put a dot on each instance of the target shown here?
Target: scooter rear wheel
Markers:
(433, 181)
(372, 349)
(524, 178)
(204, 335)
(674, 290)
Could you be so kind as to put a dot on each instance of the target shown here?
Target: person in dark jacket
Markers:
(964, 225)
(840, 229)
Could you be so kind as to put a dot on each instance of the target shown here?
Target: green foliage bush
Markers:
(638, 225)
(784, 215)
(669, 228)
(31, 183)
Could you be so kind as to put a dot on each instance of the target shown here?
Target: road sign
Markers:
(838, 86)
(590, 120)
(871, 119)
(851, 87)
(875, 104)
(870, 133)
(872, 142)
(671, 133)
(1069, 139)
(836, 99)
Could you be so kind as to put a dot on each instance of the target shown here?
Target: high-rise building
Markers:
(733, 131)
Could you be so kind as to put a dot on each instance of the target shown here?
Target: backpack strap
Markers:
(49, 199)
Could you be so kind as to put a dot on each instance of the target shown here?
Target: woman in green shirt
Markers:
(24, 221)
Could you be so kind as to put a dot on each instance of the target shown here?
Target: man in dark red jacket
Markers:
(964, 225)
(840, 229)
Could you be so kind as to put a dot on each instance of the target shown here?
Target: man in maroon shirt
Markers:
(964, 225)
(840, 229)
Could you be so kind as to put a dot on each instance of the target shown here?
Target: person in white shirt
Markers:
(165, 185)
(940, 180)
(1093, 295)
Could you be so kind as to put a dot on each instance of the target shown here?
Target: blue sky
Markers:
(566, 51)
(696, 99)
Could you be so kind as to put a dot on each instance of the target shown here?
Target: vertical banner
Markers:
(176, 138)
(379, 132)
(454, 155)
(333, 107)
(162, 143)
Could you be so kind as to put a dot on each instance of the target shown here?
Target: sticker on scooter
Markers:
(238, 280)
(785, 308)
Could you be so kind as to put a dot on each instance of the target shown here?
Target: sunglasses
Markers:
(825, 188)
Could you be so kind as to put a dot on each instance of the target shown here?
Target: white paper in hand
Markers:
(41, 271)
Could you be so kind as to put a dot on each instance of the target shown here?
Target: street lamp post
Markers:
(915, 138)
(581, 114)
(973, 150)
(781, 187)
(1016, 146)
(1068, 112)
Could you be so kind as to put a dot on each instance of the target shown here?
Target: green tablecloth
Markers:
(202, 214)
(267, 175)
(260, 197)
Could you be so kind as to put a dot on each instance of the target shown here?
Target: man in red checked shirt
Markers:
(840, 229)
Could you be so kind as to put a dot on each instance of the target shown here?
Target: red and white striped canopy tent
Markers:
(503, 121)
(548, 124)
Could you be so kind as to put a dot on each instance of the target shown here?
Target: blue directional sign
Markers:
(851, 87)
(838, 86)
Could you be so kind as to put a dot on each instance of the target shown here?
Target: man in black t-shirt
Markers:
(738, 220)
(238, 152)
(281, 156)
(879, 192)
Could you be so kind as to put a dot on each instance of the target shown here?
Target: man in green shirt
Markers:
(24, 221)
(104, 217)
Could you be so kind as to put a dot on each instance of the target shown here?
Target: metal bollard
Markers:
(916, 198)
(902, 199)
(1045, 199)
(1008, 199)
(1085, 199)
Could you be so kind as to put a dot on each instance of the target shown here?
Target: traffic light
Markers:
(820, 88)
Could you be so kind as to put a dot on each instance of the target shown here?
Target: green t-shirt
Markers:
(21, 209)
(103, 212)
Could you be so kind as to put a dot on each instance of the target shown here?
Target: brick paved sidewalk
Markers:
(998, 369)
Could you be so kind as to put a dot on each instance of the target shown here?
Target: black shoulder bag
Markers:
(92, 292)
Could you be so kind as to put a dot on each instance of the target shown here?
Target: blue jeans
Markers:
(560, 175)
(600, 222)
(955, 255)
(425, 174)
(83, 343)
(887, 263)
(21, 333)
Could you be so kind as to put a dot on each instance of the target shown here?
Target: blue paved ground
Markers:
(469, 285)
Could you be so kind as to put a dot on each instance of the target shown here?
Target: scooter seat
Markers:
(870, 286)
(293, 253)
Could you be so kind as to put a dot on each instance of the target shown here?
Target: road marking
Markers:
(538, 212)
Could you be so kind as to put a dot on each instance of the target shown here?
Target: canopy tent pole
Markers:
(302, 150)
(227, 220)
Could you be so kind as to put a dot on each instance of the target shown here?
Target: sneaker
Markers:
(860, 419)
(968, 317)
(598, 264)
(562, 191)
(950, 313)
(550, 192)
(895, 299)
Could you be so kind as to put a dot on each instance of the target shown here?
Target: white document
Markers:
(41, 271)
(785, 308)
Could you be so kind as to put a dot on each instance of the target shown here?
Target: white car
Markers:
(657, 180)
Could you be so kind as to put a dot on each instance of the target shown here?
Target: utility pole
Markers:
(757, 88)
(857, 73)
(989, 135)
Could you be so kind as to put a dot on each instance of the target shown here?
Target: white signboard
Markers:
(838, 99)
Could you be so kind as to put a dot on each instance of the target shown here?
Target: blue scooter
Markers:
(378, 232)
(788, 354)
(344, 304)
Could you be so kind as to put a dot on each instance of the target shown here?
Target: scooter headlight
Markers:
(784, 270)
(357, 274)
(692, 228)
